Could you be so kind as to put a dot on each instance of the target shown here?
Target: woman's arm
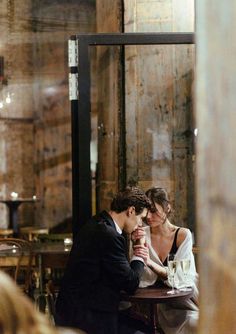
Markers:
(156, 268)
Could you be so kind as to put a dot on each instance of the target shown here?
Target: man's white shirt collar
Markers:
(118, 229)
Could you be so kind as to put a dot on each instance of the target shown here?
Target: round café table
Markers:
(156, 295)
(13, 205)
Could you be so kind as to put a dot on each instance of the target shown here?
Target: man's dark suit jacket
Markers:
(97, 271)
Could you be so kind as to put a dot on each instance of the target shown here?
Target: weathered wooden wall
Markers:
(36, 147)
(109, 19)
(17, 118)
(159, 104)
(216, 163)
(160, 144)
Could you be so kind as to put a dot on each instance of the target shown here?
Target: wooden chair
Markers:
(52, 266)
(16, 259)
(52, 270)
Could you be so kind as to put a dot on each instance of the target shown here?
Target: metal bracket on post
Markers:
(73, 86)
(73, 65)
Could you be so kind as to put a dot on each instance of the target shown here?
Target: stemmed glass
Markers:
(172, 267)
(185, 266)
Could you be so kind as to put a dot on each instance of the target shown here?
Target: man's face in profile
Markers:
(133, 220)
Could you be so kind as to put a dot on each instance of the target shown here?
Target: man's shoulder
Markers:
(102, 223)
(101, 217)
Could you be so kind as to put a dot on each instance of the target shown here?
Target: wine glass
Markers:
(185, 266)
(172, 267)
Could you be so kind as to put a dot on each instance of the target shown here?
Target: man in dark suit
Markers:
(98, 268)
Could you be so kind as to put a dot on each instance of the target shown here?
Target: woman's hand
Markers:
(143, 252)
(138, 234)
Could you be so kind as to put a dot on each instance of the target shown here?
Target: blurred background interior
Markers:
(35, 120)
(147, 104)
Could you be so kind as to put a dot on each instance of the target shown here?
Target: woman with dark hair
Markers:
(164, 238)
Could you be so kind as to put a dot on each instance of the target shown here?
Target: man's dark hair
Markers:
(131, 196)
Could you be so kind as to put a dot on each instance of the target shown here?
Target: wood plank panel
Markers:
(109, 18)
(216, 161)
(159, 104)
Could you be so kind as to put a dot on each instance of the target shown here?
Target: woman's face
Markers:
(157, 216)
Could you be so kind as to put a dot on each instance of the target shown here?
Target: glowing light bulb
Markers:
(8, 98)
(14, 195)
(1, 104)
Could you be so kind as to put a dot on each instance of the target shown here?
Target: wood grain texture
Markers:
(216, 160)
(159, 110)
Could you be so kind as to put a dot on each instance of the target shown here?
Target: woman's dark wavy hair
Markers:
(160, 196)
(131, 196)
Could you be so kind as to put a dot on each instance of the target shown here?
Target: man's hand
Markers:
(143, 252)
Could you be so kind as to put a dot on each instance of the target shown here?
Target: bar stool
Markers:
(6, 233)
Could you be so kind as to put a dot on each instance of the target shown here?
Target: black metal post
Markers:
(84, 184)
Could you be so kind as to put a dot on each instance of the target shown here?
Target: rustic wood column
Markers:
(109, 106)
(216, 162)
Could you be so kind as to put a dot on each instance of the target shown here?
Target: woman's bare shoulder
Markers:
(182, 235)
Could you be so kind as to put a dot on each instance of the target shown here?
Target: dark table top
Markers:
(156, 295)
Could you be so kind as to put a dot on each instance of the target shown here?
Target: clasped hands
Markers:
(140, 247)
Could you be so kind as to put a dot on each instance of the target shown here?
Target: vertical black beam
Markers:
(75, 164)
(83, 185)
(73, 82)
(81, 132)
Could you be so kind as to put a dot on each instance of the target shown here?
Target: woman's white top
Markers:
(179, 316)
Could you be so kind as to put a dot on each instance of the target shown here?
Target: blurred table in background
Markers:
(13, 204)
(45, 257)
(32, 233)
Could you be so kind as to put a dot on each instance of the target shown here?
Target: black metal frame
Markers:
(80, 110)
